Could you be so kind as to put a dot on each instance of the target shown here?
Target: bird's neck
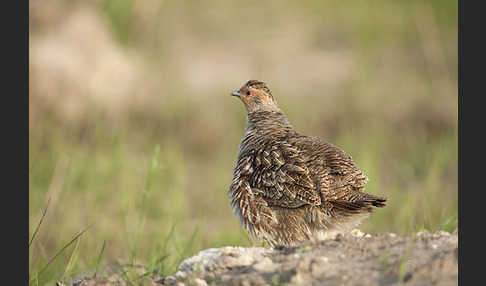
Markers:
(263, 126)
(268, 121)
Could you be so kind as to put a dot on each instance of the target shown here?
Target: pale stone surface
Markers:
(354, 259)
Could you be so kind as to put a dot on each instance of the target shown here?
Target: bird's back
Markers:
(340, 181)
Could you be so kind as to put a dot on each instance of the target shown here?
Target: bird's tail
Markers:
(359, 202)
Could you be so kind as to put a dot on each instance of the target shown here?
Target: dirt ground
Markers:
(352, 259)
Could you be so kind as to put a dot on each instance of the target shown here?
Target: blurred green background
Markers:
(132, 127)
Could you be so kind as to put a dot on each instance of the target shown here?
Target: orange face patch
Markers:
(264, 98)
(247, 100)
(255, 99)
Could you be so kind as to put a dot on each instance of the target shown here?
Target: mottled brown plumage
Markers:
(288, 187)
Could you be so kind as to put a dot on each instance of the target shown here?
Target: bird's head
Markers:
(256, 95)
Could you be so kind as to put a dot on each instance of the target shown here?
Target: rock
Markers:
(200, 282)
(227, 257)
(357, 233)
(353, 259)
(265, 265)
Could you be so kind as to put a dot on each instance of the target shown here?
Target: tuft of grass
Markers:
(98, 261)
(72, 261)
(40, 222)
(450, 224)
(142, 212)
(38, 274)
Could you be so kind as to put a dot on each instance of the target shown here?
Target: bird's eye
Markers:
(248, 92)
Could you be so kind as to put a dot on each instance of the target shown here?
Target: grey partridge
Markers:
(288, 188)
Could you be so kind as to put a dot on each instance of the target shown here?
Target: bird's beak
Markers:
(235, 93)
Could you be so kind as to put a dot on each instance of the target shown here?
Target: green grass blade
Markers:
(40, 222)
(99, 258)
(154, 163)
(72, 260)
(61, 250)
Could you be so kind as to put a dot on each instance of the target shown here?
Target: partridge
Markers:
(288, 188)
